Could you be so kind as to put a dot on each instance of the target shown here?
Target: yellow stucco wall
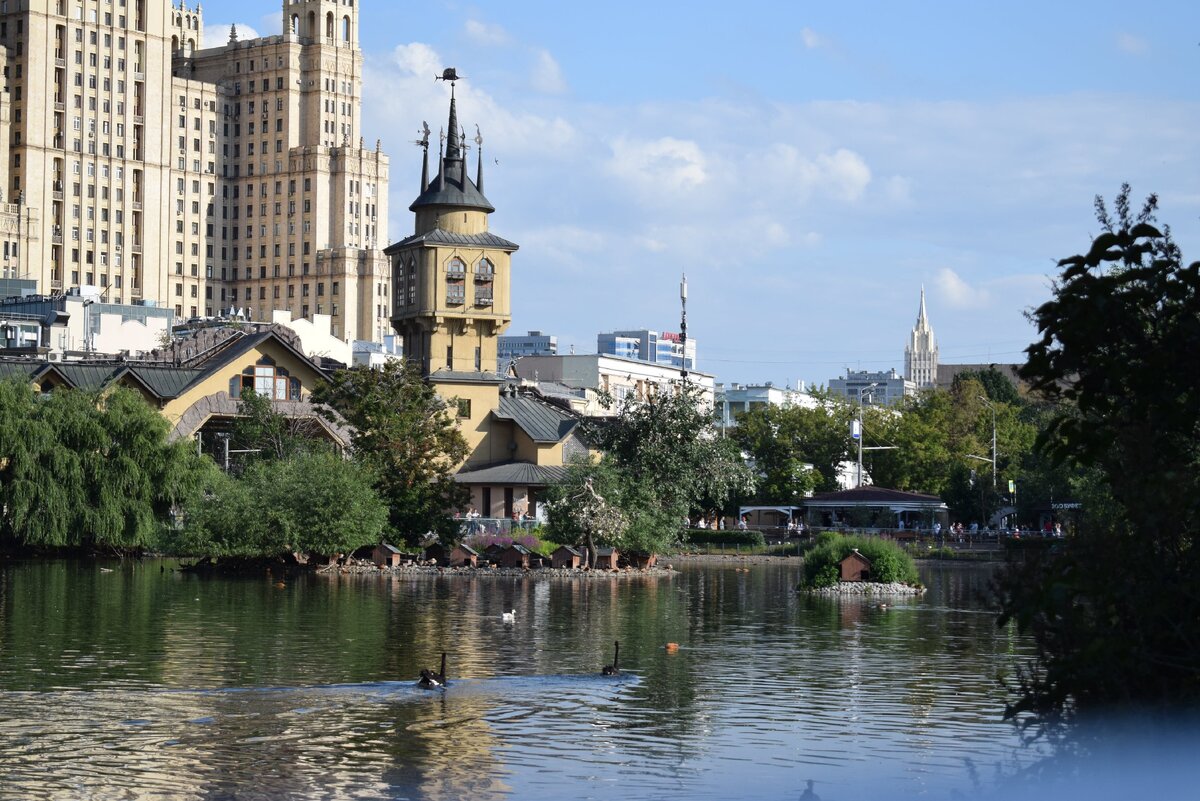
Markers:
(219, 380)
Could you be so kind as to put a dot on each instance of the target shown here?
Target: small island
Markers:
(842, 565)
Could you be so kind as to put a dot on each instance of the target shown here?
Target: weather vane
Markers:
(424, 140)
(449, 74)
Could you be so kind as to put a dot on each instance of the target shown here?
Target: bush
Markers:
(704, 536)
(889, 562)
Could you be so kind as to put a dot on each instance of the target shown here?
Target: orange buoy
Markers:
(672, 647)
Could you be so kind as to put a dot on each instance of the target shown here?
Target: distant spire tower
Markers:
(921, 354)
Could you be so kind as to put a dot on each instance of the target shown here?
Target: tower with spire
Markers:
(450, 290)
(921, 354)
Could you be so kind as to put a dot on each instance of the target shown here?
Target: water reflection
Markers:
(147, 683)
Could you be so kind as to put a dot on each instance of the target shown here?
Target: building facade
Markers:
(619, 377)
(921, 353)
(649, 346)
(535, 343)
(198, 180)
(873, 388)
(738, 399)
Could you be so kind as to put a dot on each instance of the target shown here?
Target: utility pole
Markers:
(683, 326)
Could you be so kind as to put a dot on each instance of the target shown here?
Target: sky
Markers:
(810, 167)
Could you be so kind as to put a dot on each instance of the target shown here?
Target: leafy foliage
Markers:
(313, 503)
(782, 440)
(86, 470)
(404, 436)
(889, 562)
(1115, 613)
(260, 428)
(668, 451)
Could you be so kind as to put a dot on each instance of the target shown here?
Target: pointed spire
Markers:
(479, 164)
(441, 176)
(922, 320)
(452, 152)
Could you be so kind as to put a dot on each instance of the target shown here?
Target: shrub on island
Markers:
(889, 563)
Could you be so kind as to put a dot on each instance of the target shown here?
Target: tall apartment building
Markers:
(203, 180)
(921, 353)
(649, 346)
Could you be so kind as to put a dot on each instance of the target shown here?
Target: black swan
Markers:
(430, 680)
(613, 669)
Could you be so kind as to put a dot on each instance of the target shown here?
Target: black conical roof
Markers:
(452, 187)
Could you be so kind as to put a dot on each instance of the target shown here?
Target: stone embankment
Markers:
(425, 569)
(861, 588)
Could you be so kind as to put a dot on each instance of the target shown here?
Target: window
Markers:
(266, 380)
(464, 407)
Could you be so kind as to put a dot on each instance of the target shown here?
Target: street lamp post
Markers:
(989, 404)
(859, 433)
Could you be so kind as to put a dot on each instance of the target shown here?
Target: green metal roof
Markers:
(515, 474)
(542, 422)
(440, 236)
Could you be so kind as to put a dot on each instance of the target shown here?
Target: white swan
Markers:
(509, 617)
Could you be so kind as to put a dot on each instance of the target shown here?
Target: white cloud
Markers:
(677, 165)
(216, 34)
(547, 75)
(842, 174)
(486, 34)
(810, 38)
(957, 293)
(1131, 44)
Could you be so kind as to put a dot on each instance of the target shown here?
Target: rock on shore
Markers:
(858, 588)
(419, 569)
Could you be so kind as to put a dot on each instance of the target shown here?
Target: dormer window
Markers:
(456, 268)
(485, 270)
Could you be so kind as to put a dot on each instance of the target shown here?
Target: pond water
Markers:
(147, 683)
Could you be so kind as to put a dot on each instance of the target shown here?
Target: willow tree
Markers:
(81, 469)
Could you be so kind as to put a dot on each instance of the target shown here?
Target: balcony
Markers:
(60, 106)
(137, 205)
(136, 247)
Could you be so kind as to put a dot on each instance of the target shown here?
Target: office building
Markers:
(648, 346)
(878, 388)
(535, 343)
(199, 180)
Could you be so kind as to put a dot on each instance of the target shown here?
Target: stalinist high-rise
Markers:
(921, 353)
(198, 179)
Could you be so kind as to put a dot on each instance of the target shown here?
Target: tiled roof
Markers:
(542, 422)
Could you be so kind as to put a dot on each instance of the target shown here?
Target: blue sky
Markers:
(809, 166)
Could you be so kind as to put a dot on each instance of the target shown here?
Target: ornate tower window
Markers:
(456, 274)
(485, 271)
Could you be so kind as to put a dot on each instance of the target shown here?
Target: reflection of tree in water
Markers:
(443, 749)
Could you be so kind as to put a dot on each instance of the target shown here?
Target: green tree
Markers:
(267, 434)
(668, 450)
(312, 503)
(405, 436)
(783, 439)
(994, 383)
(87, 470)
(1115, 613)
